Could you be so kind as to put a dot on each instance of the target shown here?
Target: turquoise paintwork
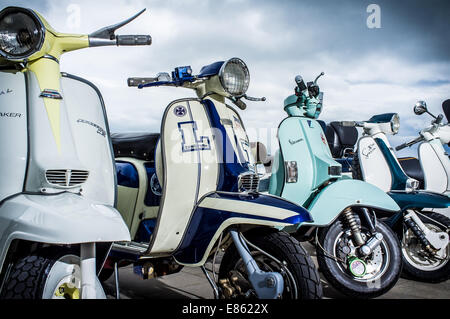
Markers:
(302, 140)
(339, 195)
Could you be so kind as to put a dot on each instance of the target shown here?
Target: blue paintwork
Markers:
(420, 200)
(381, 118)
(399, 178)
(205, 222)
(151, 199)
(145, 230)
(211, 70)
(230, 167)
(127, 175)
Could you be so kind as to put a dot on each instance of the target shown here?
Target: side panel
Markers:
(13, 133)
(339, 195)
(374, 167)
(436, 168)
(220, 210)
(190, 167)
(89, 126)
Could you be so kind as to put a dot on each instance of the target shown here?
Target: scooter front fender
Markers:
(334, 198)
(58, 219)
(219, 210)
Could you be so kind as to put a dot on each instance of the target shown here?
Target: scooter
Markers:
(57, 194)
(423, 233)
(432, 168)
(358, 254)
(189, 193)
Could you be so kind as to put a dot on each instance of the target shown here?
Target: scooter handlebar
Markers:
(133, 40)
(411, 143)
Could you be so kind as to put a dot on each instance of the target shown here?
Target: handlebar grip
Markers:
(400, 147)
(133, 40)
(300, 83)
(134, 82)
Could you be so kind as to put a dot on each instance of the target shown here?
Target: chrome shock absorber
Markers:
(350, 218)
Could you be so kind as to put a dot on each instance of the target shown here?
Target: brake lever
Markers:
(109, 32)
(254, 99)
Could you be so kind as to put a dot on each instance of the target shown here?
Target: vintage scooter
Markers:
(57, 194)
(190, 192)
(358, 254)
(424, 234)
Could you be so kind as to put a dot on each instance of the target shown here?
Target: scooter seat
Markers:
(135, 145)
(412, 168)
(340, 138)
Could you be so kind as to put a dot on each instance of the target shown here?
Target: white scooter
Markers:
(432, 168)
(424, 234)
(57, 186)
(190, 192)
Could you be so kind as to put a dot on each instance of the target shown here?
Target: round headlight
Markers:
(21, 33)
(234, 77)
(395, 123)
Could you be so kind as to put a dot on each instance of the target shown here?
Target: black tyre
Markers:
(420, 264)
(383, 265)
(47, 274)
(302, 280)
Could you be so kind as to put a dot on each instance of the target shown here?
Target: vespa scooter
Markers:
(424, 234)
(190, 192)
(358, 254)
(57, 194)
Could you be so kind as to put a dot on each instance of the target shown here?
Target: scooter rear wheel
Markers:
(302, 281)
(46, 274)
(416, 262)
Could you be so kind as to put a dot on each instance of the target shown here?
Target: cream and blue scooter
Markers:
(423, 231)
(57, 193)
(358, 254)
(189, 192)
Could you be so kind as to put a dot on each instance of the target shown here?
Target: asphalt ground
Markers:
(191, 283)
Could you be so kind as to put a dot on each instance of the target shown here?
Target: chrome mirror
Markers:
(420, 108)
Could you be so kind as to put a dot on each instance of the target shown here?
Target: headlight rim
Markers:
(221, 78)
(40, 27)
(395, 123)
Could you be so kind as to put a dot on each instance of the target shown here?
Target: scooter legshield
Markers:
(219, 210)
(334, 198)
(59, 219)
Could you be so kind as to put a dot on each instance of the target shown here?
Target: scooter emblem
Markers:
(180, 111)
(368, 150)
(295, 142)
(2, 92)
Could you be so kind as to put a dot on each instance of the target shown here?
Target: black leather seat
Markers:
(412, 168)
(340, 138)
(136, 145)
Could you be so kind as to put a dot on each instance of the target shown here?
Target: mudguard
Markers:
(420, 200)
(337, 196)
(58, 219)
(219, 210)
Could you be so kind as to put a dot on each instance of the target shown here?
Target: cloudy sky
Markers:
(368, 70)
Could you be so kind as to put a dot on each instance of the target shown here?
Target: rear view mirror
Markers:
(420, 108)
(446, 109)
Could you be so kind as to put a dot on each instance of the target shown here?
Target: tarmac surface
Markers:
(191, 283)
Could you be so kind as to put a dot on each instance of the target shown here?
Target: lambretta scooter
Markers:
(57, 194)
(191, 191)
(358, 254)
(424, 234)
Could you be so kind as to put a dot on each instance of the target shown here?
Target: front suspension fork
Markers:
(267, 285)
(365, 247)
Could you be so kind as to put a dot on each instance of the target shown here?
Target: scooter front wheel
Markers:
(46, 274)
(350, 272)
(301, 279)
(421, 264)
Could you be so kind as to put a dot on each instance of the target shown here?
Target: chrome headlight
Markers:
(234, 77)
(21, 33)
(395, 123)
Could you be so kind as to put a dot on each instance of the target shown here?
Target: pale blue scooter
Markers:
(359, 255)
